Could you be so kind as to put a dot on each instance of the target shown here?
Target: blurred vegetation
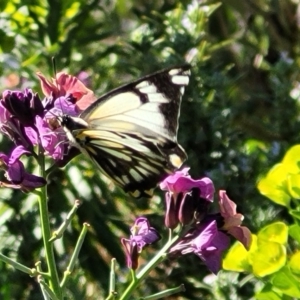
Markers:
(238, 117)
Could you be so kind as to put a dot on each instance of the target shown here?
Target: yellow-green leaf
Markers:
(73, 10)
(275, 232)
(236, 259)
(291, 160)
(294, 263)
(294, 232)
(274, 184)
(268, 295)
(268, 258)
(293, 185)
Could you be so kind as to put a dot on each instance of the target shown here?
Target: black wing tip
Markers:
(182, 67)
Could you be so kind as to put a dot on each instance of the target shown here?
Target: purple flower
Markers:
(65, 94)
(5, 115)
(232, 220)
(132, 253)
(27, 121)
(181, 182)
(187, 199)
(23, 106)
(12, 127)
(141, 235)
(52, 136)
(15, 172)
(207, 242)
(23, 120)
(50, 139)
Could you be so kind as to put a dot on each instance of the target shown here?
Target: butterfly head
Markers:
(69, 123)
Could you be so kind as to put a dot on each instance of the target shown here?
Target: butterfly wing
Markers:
(131, 132)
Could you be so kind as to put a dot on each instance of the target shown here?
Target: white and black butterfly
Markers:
(130, 133)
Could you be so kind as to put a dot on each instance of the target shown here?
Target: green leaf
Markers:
(285, 282)
(237, 259)
(294, 263)
(209, 9)
(7, 43)
(295, 213)
(73, 10)
(252, 145)
(294, 232)
(267, 293)
(32, 59)
(293, 185)
(3, 4)
(271, 295)
(273, 185)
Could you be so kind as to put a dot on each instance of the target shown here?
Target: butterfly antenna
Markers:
(54, 66)
(54, 70)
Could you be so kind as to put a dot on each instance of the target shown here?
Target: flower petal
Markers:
(227, 207)
(65, 84)
(16, 172)
(167, 184)
(17, 153)
(242, 234)
(50, 140)
(181, 182)
(49, 88)
(31, 182)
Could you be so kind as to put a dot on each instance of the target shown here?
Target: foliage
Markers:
(271, 258)
(238, 118)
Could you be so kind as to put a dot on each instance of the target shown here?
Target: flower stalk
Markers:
(46, 233)
(158, 258)
(57, 234)
(166, 293)
(112, 281)
(18, 266)
(75, 254)
(46, 290)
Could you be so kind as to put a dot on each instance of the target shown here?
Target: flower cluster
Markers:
(203, 233)
(188, 202)
(30, 122)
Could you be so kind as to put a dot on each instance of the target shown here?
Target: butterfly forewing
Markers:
(131, 132)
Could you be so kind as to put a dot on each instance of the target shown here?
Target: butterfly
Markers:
(130, 133)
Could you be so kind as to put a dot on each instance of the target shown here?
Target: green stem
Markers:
(112, 281)
(159, 257)
(166, 293)
(75, 254)
(112, 277)
(57, 234)
(46, 233)
(47, 292)
(18, 266)
(156, 259)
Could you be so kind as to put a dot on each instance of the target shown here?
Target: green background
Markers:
(238, 117)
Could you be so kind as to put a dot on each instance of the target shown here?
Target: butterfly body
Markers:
(130, 133)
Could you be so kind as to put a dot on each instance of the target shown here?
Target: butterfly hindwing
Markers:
(130, 133)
